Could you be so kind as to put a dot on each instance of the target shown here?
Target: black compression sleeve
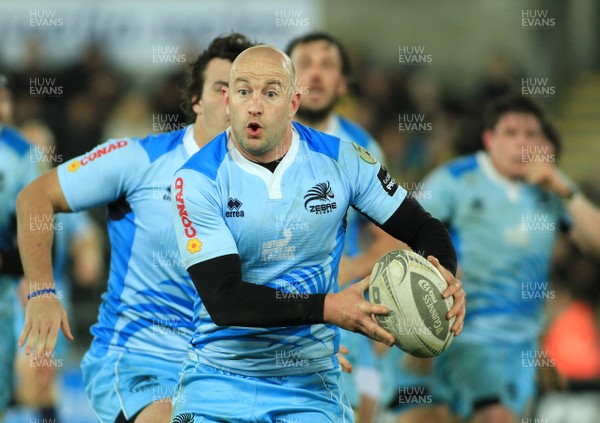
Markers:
(11, 263)
(423, 233)
(233, 302)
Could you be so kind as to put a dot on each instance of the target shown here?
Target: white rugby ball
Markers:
(411, 287)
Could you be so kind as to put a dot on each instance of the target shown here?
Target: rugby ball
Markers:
(411, 288)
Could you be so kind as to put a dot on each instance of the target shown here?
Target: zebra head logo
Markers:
(321, 191)
(184, 418)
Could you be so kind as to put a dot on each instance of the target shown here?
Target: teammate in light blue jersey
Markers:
(259, 219)
(19, 165)
(77, 251)
(505, 207)
(145, 319)
(322, 68)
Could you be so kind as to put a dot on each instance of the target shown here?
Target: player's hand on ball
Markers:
(344, 363)
(44, 315)
(349, 310)
(454, 290)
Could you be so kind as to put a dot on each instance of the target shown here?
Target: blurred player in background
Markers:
(145, 320)
(19, 165)
(78, 246)
(406, 391)
(505, 207)
(322, 68)
(265, 335)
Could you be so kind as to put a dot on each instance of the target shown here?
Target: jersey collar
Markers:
(189, 143)
(512, 188)
(271, 180)
(333, 126)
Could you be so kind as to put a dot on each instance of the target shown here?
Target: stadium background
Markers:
(94, 70)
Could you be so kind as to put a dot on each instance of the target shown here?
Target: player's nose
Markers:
(255, 105)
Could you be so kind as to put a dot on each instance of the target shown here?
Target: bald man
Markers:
(259, 219)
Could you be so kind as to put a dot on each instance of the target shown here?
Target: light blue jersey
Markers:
(287, 228)
(504, 233)
(148, 304)
(346, 130)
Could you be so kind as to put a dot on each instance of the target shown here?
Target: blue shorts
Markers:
(470, 372)
(127, 382)
(207, 394)
(8, 342)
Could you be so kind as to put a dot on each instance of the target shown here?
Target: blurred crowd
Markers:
(416, 121)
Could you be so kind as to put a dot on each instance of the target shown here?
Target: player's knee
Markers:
(157, 412)
(496, 413)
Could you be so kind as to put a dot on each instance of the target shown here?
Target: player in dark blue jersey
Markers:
(322, 68)
(505, 207)
(259, 221)
(145, 319)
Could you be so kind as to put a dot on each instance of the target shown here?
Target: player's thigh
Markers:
(426, 414)
(497, 413)
(158, 412)
(36, 380)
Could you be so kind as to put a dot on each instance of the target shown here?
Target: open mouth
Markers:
(253, 128)
(315, 90)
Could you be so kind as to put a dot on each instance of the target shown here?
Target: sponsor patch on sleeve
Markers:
(387, 182)
(364, 154)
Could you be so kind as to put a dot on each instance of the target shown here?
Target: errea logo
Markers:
(233, 208)
(322, 195)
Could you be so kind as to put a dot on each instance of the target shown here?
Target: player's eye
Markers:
(243, 92)
(271, 94)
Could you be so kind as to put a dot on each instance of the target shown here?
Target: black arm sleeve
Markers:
(423, 233)
(11, 263)
(232, 302)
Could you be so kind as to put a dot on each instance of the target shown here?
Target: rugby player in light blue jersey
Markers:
(504, 207)
(19, 165)
(77, 251)
(145, 319)
(322, 68)
(266, 338)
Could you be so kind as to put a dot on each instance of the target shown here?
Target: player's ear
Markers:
(225, 92)
(487, 138)
(197, 105)
(295, 103)
(342, 86)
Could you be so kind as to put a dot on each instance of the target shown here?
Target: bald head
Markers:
(262, 100)
(261, 58)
